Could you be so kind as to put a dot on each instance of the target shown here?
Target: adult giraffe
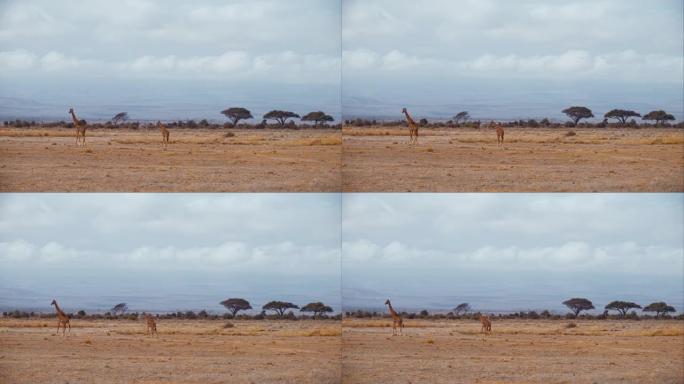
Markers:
(396, 320)
(151, 324)
(165, 134)
(63, 319)
(80, 128)
(486, 325)
(413, 128)
(499, 134)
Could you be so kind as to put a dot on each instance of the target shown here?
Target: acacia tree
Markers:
(317, 117)
(120, 308)
(462, 308)
(660, 308)
(236, 114)
(317, 308)
(659, 116)
(621, 306)
(578, 113)
(621, 115)
(279, 307)
(280, 116)
(461, 117)
(119, 118)
(234, 305)
(578, 305)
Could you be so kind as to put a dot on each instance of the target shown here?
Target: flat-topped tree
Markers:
(659, 116)
(235, 114)
(280, 116)
(621, 115)
(317, 308)
(317, 117)
(234, 305)
(660, 308)
(120, 308)
(279, 307)
(462, 308)
(461, 117)
(578, 113)
(119, 118)
(621, 306)
(578, 305)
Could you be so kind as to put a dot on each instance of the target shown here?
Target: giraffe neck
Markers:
(73, 116)
(408, 118)
(392, 311)
(59, 310)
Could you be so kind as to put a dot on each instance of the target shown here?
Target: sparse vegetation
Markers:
(659, 117)
(317, 117)
(280, 116)
(235, 114)
(279, 307)
(660, 308)
(317, 308)
(234, 305)
(578, 305)
(578, 113)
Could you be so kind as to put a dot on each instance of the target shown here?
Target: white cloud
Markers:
(570, 257)
(279, 66)
(17, 60)
(623, 65)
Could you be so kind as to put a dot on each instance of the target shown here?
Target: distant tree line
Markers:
(661, 310)
(621, 118)
(271, 310)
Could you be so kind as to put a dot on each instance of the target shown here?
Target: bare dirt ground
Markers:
(517, 351)
(378, 159)
(197, 160)
(119, 351)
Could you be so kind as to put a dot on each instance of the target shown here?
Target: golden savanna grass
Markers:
(531, 160)
(196, 160)
(184, 351)
(517, 351)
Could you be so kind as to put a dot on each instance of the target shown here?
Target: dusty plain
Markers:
(196, 160)
(194, 351)
(378, 159)
(517, 351)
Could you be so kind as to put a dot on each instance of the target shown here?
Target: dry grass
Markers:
(379, 159)
(196, 160)
(196, 352)
(34, 133)
(517, 351)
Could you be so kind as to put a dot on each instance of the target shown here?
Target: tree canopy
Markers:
(578, 305)
(317, 308)
(120, 309)
(578, 113)
(660, 308)
(462, 308)
(279, 307)
(235, 114)
(461, 117)
(621, 306)
(234, 305)
(280, 116)
(120, 117)
(621, 115)
(317, 117)
(659, 116)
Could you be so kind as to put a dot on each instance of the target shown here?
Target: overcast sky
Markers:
(172, 57)
(169, 251)
(507, 59)
(511, 251)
